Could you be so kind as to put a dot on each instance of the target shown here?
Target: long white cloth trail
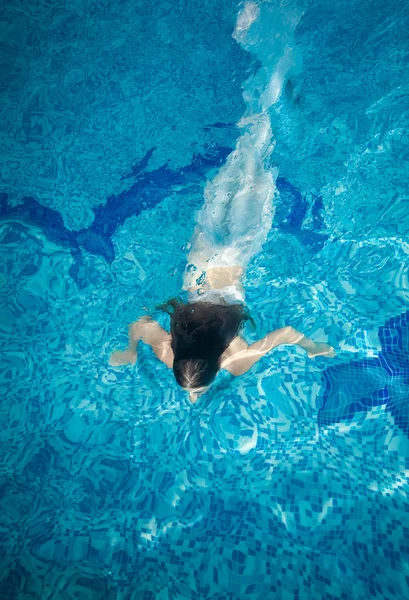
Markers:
(237, 214)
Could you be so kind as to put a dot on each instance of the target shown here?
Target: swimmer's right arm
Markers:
(151, 333)
(240, 357)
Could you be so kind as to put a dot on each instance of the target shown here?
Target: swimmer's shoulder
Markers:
(236, 346)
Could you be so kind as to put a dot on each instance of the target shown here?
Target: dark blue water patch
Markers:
(140, 165)
(361, 385)
(298, 204)
(292, 211)
(394, 338)
(146, 192)
(351, 388)
(316, 208)
(219, 125)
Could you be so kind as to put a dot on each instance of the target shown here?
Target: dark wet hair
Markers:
(200, 333)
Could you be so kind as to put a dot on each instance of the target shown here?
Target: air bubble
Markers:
(201, 279)
(191, 268)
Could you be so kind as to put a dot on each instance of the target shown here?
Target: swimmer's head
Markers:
(200, 333)
(195, 374)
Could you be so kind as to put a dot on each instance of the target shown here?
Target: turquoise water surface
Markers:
(121, 123)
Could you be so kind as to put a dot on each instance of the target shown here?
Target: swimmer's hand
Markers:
(321, 349)
(123, 358)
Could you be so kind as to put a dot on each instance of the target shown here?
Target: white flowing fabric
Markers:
(237, 214)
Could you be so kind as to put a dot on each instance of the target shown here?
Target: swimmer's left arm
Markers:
(240, 357)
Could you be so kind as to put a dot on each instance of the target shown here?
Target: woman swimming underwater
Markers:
(204, 334)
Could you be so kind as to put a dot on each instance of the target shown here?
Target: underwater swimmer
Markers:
(204, 335)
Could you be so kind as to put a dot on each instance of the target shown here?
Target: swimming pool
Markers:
(291, 481)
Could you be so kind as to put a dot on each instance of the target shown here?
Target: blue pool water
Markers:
(121, 122)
